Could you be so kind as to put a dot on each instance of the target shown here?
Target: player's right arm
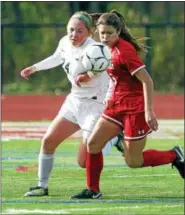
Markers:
(48, 63)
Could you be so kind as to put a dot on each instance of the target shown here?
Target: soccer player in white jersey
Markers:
(82, 107)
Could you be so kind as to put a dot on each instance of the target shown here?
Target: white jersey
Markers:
(67, 56)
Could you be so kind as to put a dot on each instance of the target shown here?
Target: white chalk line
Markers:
(67, 211)
(46, 123)
(35, 130)
(36, 211)
(113, 176)
(140, 176)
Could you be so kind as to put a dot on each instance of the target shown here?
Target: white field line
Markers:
(113, 176)
(28, 123)
(24, 129)
(36, 130)
(36, 211)
(140, 176)
(67, 211)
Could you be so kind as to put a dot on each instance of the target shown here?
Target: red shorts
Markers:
(134, 125)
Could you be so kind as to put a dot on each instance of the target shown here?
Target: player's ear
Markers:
(119, 31)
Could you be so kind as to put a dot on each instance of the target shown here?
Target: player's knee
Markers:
(133, 163)
(81, 163)
(93, 147)
(47, 145)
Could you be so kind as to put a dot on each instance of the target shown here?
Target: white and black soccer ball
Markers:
(97, 58)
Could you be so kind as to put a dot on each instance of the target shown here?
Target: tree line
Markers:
(23, 46)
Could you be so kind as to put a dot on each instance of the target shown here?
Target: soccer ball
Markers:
(97, 58)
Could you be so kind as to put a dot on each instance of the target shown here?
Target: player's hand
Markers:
(108, 103)
(25, 73)
(151, 120)
(82, 78)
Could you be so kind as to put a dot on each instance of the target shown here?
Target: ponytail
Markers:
(138, 43)
(95, 17)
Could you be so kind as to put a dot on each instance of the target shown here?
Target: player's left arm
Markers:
(137, 68)
(148, 88)
(143, 76)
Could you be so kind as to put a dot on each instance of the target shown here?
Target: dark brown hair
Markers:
(117, 20)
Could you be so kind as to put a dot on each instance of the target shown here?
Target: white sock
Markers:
(44, 169)
(109, 145)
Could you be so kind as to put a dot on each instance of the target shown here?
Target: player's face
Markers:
(77, 32)
(108, 34)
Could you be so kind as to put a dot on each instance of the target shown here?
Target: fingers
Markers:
(153, 124)
(24, 75)
(77, 81)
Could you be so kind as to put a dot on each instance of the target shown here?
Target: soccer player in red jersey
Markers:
(130, 108)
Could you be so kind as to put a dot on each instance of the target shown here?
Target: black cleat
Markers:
(37, 191)
(120, 144)
(87, 194)
(179, 161)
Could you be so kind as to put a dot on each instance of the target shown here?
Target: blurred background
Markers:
(30, 32)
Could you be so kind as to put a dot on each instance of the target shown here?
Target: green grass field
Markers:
(158, 190)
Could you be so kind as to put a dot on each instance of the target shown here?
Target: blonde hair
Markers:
(85, 18)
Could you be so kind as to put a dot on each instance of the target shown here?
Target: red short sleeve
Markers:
(131, 59)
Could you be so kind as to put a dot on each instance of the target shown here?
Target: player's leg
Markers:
(58, 131)
(63, 126)
(82, 151)
(102, 133)
(133, 152)
(136, 156)
(88, 123)
(117, 141)
(87, 117)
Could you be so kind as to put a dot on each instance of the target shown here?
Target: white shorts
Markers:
(82, 111)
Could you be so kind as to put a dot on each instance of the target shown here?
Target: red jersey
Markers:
(128, 94)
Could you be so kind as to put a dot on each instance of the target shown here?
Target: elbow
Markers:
(149, 81)
(148, 85)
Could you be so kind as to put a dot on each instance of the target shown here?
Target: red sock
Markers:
(94, 166)
(157, 158)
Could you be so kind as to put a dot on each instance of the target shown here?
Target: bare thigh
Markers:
(133, 152)
(103, 132)
(58, 131)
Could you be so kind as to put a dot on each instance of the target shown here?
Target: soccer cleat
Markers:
(87, 194)
(179, 161)
(120, 144)
(37, 191)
